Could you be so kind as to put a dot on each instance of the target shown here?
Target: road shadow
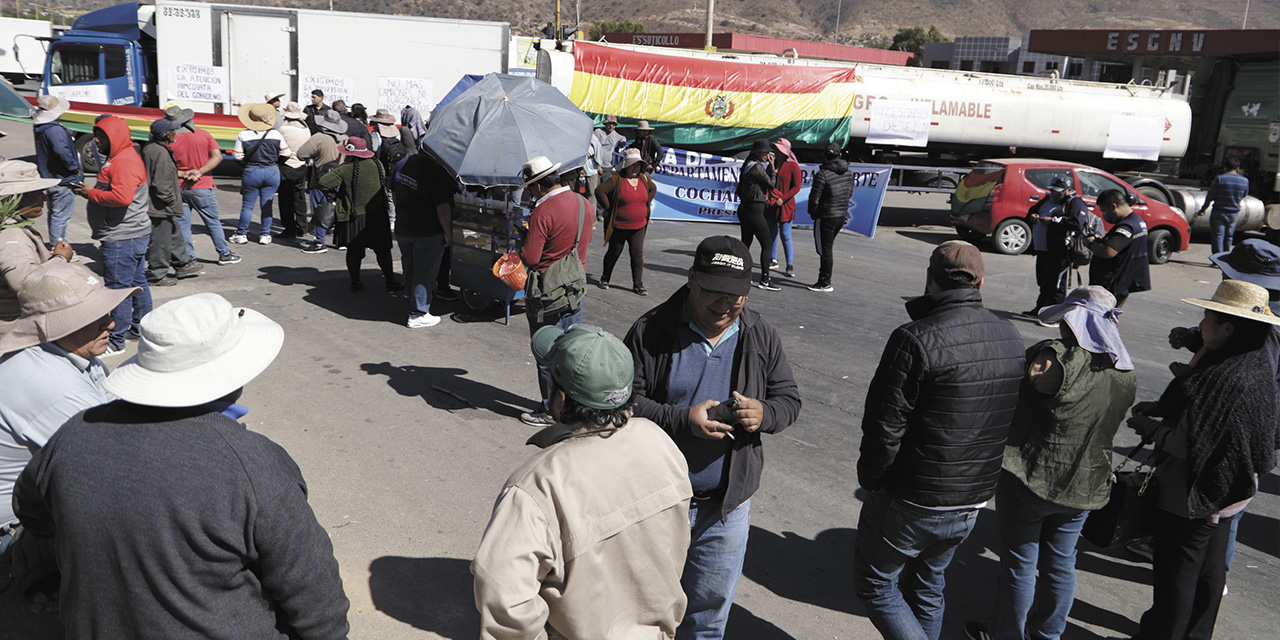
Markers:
(1098, 617)
(744, 624)
(437, 386)
(432, 594)
(1259, 532)
(911, 217)
(331, 290)
(929, 237)
(817, 572)
(1117, 563)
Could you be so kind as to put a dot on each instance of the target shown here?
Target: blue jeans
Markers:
(62, 203)
(320, 204)
(900, 562)
(184, 225)
(784, 231)
(711, 570)
(124, 265)
(420, 259)
(1223, 228)
(564, 322)
(205, 203)
(258, 186)
(1034, 534)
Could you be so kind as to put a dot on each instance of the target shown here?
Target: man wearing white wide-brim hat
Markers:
(57, 158)
(559, 230)
(170, 518)
(50, 371)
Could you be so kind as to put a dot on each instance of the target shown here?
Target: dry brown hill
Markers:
(860, 20)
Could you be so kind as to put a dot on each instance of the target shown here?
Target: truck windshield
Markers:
(73, 64)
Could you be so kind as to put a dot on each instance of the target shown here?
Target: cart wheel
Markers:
(475, 300)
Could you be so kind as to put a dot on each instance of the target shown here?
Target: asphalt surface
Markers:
(406, 435)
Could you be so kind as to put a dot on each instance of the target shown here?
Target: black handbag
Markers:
(1128, 512)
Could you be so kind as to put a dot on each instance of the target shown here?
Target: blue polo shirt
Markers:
(701, 372)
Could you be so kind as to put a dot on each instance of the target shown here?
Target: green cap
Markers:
(590, 364)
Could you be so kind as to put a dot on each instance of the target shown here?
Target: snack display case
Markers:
(484, 228)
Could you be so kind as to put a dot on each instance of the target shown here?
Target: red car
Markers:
(994, 198)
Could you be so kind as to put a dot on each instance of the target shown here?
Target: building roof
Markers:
(740, 42)
(1155, 42)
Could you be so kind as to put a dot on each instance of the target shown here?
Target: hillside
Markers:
(860, 20)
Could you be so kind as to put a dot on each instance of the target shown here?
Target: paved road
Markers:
(403, 475)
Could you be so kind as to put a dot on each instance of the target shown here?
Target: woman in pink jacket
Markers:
(788, 184)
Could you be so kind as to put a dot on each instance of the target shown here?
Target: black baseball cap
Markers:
(723, 264)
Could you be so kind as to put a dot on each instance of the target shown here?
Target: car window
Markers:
(1042, 178)
(1092, 184)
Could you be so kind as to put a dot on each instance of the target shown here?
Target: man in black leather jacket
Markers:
(933, 434)
(829, 207)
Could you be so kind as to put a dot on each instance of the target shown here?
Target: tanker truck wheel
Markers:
(1011, 237)
(1152, 193)
(1159, 246)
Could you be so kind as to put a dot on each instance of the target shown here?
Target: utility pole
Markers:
(1246, 15)
(711, 13)
(558, 32)
(838, 3)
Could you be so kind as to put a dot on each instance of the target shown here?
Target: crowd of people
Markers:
(632, 520)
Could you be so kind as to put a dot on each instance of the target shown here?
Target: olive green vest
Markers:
(1060, 446)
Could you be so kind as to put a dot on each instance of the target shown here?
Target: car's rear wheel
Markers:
(1011, 237)
(1159, 246)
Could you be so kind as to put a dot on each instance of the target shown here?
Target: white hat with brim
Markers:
(271, 96)
(293, 111)
(57, 300)
(20, 176)
(1239, 298)
(537, 169)
(195, 350)
(630, 157)
(49, 108)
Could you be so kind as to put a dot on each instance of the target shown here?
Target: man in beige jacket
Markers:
(588, 538)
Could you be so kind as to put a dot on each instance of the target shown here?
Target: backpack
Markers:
(1078, 243)
(392, 151)
(559, 288)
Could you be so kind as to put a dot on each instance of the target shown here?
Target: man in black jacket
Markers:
(712, 373)
(933, 433)
(829, 207)
(1059, 213)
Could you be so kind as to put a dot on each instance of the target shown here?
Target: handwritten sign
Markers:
(1134, 138)
(899, 122)
(95, 93)
(198, 83)
(334, 88)
(395, 94)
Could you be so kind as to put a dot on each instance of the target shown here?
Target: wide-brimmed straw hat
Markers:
(1091, 314)
(293, 111)
(271, 96)
(1253, 260)
(195, 350)
(57, 300)
(1238, 298)
(19, 176)
(536, 169)
(355, 146)
(333, 122)
(630, 157)
(257, 117)
(386, 123)
(49, 108)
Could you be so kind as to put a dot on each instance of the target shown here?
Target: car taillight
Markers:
(993, 196)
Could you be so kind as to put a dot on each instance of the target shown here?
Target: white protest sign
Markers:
(395, 94)
(1134, 138)
(334, 88)
(96, 93)
(900, 122)
(198, 83)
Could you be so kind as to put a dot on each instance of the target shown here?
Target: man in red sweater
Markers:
(559, 217)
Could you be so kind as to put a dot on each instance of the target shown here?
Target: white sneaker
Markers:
(238, 238)
(112, 352)
(425, 320)
(264, 239)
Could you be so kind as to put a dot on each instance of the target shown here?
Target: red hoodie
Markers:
(118, 202)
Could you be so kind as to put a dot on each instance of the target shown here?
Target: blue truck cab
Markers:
(106, 58)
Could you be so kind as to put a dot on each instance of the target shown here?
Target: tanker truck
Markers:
(130, 59)
(707, 101)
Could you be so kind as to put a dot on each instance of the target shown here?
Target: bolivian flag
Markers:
(713, 103)
(971, 194)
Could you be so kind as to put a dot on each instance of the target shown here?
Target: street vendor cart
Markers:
(484, 229)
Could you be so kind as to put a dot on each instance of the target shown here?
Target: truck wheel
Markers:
(1011, 237)
(1152, 193)
(1159, 246)
(84, 147)
(968, 235)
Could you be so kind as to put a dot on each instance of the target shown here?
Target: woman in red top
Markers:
(789, 185)
(627, 200)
